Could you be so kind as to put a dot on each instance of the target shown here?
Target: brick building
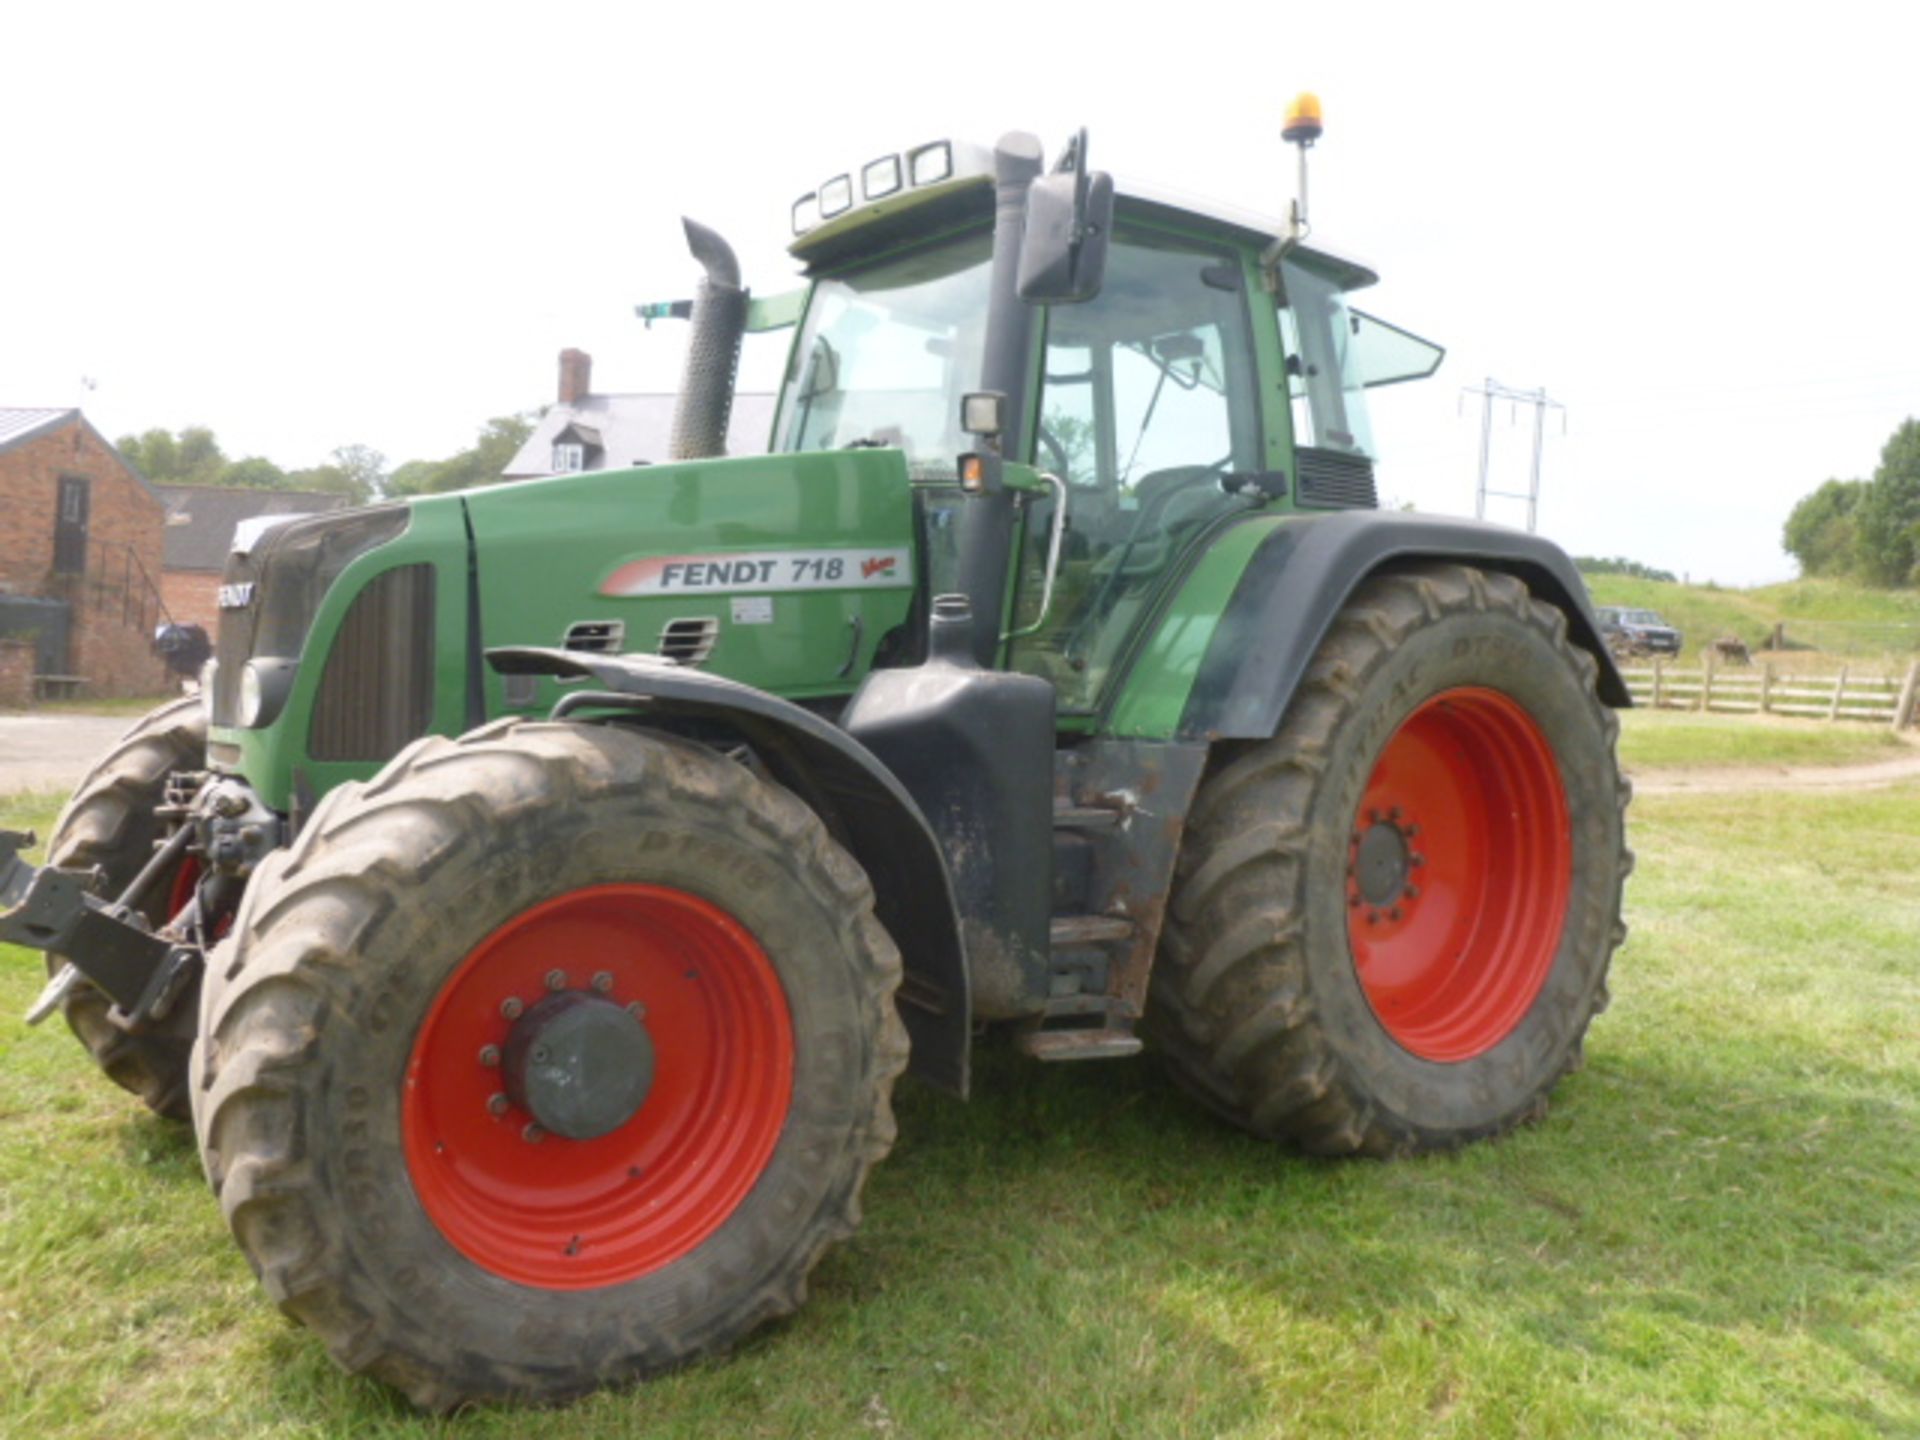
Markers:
(80, 547)
(200, 526)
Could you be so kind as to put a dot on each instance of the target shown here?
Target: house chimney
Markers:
(576, 376)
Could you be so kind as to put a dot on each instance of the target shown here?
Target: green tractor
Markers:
(537, 911)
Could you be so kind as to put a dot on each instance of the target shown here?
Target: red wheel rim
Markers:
(1466, 809)
(185, 881)
(565, 1214)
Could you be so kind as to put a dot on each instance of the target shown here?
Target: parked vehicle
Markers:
(1637, 632)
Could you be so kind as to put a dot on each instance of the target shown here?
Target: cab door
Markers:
(1148, 399)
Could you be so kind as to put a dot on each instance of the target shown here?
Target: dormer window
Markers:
(577, 447)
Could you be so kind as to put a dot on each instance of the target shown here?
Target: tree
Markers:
(1819, 532)
(356, 471)
(253, 473)
(1889, 513)
(154, 454)
(480, 464)
(1620, 565)
(201, 460)
(194, 457)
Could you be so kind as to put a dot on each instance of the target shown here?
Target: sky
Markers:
(1693, 225)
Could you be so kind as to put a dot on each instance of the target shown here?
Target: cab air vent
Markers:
(689, 642)
(597, 637)
(1334, 480)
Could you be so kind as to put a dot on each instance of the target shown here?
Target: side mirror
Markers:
(1063, 255)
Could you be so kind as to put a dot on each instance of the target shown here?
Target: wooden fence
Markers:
(1759, 690)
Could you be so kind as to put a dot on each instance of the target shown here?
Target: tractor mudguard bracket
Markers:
(53, 910)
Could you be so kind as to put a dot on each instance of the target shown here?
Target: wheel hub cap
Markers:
(580, 1065)
(1380, 866)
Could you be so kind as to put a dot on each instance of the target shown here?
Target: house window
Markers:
(568, 456)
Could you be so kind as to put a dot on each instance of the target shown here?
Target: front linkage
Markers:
(221, 829)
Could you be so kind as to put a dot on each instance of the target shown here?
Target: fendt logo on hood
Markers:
(767, 572)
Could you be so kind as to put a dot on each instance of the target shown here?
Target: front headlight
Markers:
(252, 698)
(263, 690)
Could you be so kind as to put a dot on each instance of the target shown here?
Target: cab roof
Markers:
(966, 197)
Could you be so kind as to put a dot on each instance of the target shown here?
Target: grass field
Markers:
(1651, 739)
(1715, 1232)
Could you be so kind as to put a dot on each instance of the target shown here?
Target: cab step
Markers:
(1079, 1044)
(1071, 932)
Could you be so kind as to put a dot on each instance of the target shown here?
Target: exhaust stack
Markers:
(705, 402)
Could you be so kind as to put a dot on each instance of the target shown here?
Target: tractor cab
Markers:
(1218, 368)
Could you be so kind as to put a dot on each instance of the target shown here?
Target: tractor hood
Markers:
(785, 572)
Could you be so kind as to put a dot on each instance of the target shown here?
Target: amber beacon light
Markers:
(1302, 129)
(1303, 119)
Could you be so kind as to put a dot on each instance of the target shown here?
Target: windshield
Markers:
(886, 353)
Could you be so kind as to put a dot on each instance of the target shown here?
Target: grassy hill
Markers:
(1827, 616)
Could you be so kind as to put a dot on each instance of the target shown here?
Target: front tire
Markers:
(1391, 923)
(393, 1183)
(113, 822)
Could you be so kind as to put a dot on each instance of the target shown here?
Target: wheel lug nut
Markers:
(511, 1007)
(556, 979)
(1412, 892)
(1394, 913)
(637, 1010)
(533, 1134)
(490, 1056)
(1416, 859)
(1373, 917)
(497, 1103)
(1394, 813)
(1373, 817)
(1412, 830)
(603, 982)
(1353, 901)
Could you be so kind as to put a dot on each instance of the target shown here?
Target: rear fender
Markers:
(1306, 569)
(861, 802)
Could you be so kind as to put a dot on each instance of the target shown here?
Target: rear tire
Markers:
(349, 1120)
(112, 821)
(1391, 923)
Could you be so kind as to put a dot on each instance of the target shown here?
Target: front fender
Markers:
(860, 800)
(1304, 570)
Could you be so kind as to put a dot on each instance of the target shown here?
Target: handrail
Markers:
(131, 564)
